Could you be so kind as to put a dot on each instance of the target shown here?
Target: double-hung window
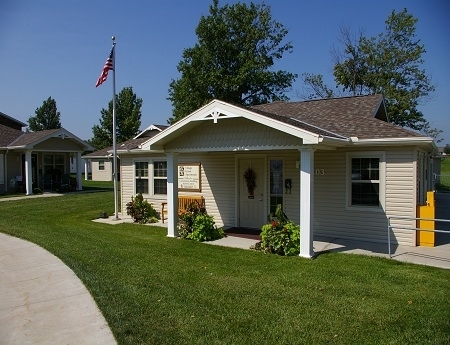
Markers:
(141, 176)
(101, 164)
(150, 177)
(365, 187)
(160, 177)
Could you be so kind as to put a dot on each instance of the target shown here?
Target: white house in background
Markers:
(40, 159)
(100, 163)
(337, 166)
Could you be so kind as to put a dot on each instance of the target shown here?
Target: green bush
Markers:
(280, 236)
(195, 224)
(141, 210)
(37, 191)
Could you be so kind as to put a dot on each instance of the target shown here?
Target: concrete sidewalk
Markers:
(438, 256)
(43, 302)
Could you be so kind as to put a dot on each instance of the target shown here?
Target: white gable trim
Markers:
(216, 110)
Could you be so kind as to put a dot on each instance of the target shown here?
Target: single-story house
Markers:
(337, 167)
(39, 159)
(101, 161)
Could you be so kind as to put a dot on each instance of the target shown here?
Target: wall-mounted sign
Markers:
(189, 177)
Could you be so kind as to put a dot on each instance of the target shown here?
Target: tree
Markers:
(47, 117)
(237, 46)
(447, 149)
(128, 120)
(388, 64)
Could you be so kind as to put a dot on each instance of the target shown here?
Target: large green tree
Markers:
(128, 120)
(237, 46)
(47, 117)
(390, 64)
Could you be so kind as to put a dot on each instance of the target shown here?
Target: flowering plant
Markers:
(280, 236)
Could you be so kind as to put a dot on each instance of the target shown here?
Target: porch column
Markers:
(28, 174)
(79, 183)
(306, 201)
(172, 194)
(86, 169)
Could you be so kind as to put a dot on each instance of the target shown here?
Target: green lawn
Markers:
(445, 165)
(444, 179)
(157, 290)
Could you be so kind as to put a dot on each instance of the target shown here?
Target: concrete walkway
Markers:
(43, 302)
(438, 256)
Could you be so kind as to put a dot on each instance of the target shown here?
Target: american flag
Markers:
(106, 68)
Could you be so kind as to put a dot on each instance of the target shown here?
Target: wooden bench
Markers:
(184, 201)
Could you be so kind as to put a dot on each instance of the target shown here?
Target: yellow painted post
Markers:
(426, 238)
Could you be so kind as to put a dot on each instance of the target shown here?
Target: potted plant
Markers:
(250, 180)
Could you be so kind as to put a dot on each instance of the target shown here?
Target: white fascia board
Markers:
(137, 151)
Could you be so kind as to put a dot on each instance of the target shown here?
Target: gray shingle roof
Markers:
(360, 116)
(8, 135)
(30, 137)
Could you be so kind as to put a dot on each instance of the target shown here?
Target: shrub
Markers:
(280, 236)
(141, 210)
(37, 191)
(195, 224)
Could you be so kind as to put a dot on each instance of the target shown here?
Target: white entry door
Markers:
(252, 205)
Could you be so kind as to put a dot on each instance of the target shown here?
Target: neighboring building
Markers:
(101, 161)
(337, 166)
(36, 159)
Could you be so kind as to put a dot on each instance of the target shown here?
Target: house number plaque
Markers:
(320, 171)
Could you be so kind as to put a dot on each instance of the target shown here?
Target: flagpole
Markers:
(116, 217)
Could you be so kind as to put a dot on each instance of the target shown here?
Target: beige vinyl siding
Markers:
(59, 145)
(101, 175)
(332, 218)
(126, 181)
(231, 134)
(401, 192)
(217, 185)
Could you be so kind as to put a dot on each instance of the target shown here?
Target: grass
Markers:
(157, 290)
(444, 185)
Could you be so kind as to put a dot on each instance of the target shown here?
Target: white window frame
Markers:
(158, 177)
(381, 155)
(150, 176)
(101, 165)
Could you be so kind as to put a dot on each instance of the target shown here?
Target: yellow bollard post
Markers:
(426, 238)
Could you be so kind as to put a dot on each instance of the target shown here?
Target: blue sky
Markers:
(58, 48)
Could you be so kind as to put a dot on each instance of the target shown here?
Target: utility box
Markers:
(426, 238)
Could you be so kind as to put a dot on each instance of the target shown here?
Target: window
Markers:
(160, 178)
(141, 176)
(101, 164)
(147, 171)
(366, 187)
(54, 165)
(276, 184)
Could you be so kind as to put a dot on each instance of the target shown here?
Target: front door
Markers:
(251, 200)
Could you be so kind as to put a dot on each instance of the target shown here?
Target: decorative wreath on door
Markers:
(250, 180)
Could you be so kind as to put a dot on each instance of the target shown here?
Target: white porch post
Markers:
(79, 183)
(86, 169)
(172, 194)
(28, 174)
(306, 201)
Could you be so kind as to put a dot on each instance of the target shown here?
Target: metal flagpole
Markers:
(114, 131)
